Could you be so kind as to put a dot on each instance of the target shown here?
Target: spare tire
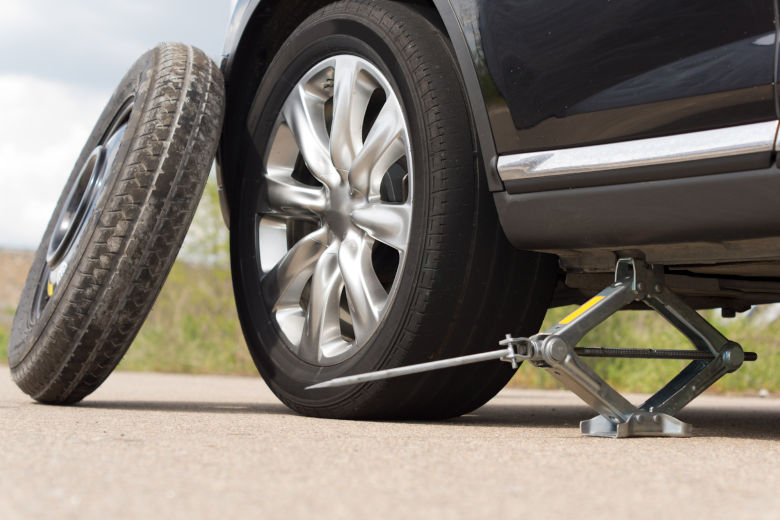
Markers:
(118, 225)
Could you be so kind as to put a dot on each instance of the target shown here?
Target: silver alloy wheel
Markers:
(334, 227)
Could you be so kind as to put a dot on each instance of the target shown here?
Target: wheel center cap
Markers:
(338, 214)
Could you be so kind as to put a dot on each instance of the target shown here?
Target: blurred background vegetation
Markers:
(194, 328)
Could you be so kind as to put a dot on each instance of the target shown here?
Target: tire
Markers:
(118, 225)
(309, 234)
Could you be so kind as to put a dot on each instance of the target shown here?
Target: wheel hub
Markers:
(337, 215)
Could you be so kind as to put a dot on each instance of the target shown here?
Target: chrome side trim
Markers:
(708, 144)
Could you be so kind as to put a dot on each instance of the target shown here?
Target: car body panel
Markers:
(550, 75)
(239, 18)
(570, 73)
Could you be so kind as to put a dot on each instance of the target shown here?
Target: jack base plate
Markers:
(641, 424)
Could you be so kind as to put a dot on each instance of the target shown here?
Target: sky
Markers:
(59, 63)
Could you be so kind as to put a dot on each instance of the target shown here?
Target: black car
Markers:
(407, 181)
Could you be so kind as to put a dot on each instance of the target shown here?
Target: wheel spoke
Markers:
(366, 296)
(290, 197)
(351, 94)
(322, 316)
(386, 223)
(304, 115)
(283, 284)
(384, 145)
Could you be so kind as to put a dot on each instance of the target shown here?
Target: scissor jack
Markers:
(555, 351)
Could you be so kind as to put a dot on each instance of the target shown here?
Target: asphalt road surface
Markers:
(174, 446)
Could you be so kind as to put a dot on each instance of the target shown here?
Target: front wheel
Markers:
(364, 236)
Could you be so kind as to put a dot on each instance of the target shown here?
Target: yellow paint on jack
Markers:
(49, 289)
(581, 310)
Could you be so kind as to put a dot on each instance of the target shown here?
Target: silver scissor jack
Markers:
(555, 351)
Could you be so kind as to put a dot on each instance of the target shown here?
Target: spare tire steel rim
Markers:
(333, 228)
(78, 208)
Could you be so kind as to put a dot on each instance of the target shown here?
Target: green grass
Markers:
(3, 345)
(193, 327)
(6, 318)
(647, 329)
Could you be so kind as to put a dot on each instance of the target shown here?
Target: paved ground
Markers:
(165, 446)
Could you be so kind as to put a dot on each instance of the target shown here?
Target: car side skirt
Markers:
(650, 196)
(576, 164)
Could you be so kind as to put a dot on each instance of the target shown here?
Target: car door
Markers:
(579, 72)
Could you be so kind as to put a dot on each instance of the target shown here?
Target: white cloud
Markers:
(43, 126)
(94, 43)
(59, 63)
